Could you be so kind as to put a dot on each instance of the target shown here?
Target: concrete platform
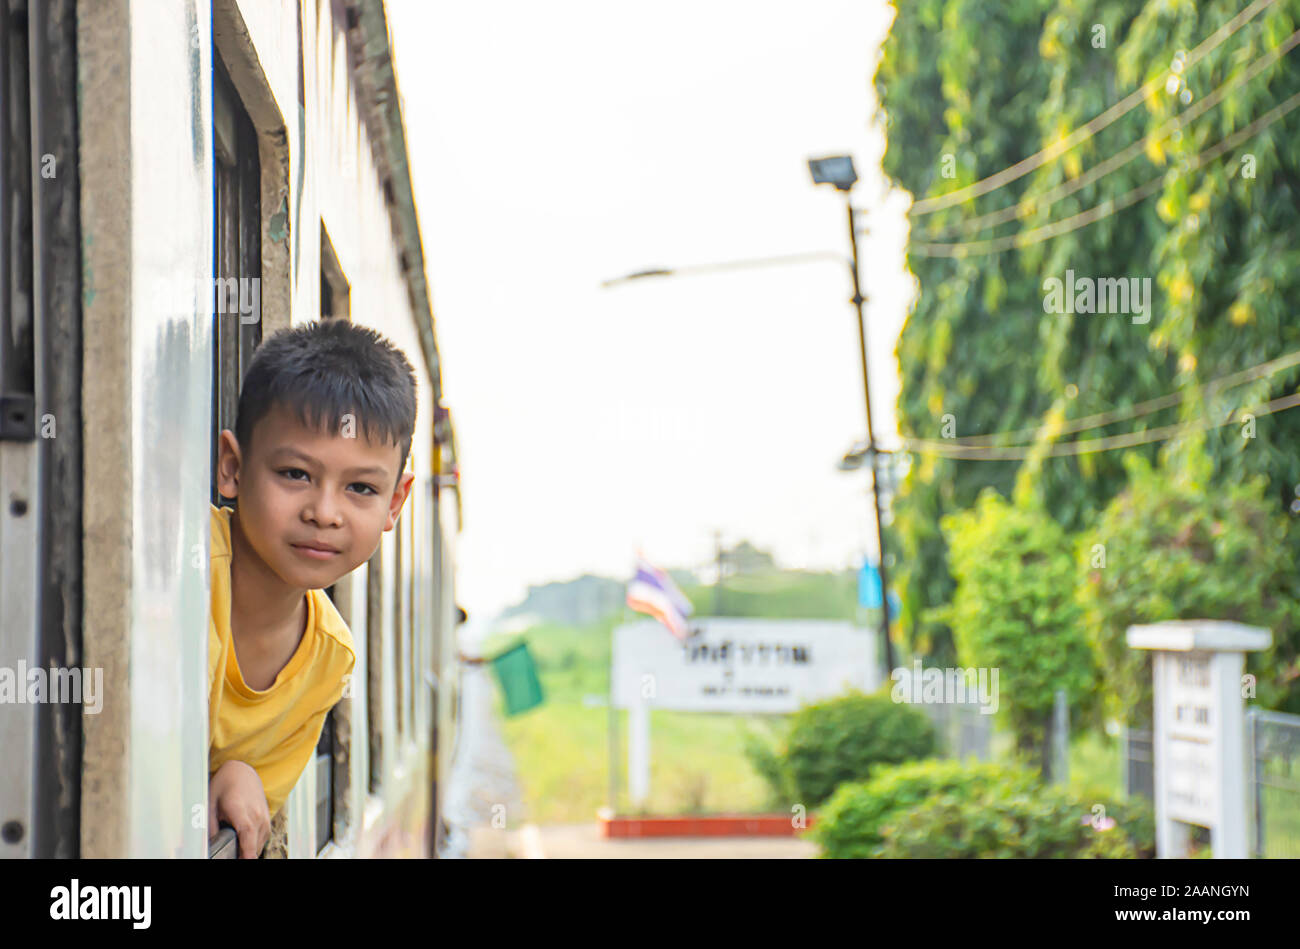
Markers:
(584, 842)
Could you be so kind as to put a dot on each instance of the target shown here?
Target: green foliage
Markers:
(1015, 611)
(1038, 823)
(952, 810)
(850, 824)
(1134, 817)
(1220, 248)
(765, 756)
(846, 738)
(1175, 550)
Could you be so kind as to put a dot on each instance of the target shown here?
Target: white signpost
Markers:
(755, 666)
(1200, 764)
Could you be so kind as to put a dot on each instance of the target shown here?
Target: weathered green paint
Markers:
(87, 275)
(278, 228)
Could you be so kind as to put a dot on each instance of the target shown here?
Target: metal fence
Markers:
(964, 731)
(1139, 763)
(1273, 779)
(1273, 763)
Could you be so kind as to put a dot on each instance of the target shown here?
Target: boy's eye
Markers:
(292, 475)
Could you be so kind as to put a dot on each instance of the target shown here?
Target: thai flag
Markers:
(652, 591)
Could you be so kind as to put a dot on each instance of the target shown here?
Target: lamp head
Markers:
(835, 170)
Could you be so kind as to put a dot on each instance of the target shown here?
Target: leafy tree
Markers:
(1015, 611)
(1219, 246)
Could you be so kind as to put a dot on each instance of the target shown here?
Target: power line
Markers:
(1093, 445)
(1085, 132)
(1123, 157)
(1108, 207)
(1137, 410)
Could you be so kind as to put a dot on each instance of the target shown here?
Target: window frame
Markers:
(236, 251)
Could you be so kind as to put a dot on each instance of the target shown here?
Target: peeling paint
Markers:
(196, 79)
(87, 274)
(302, 167)
(278, 226)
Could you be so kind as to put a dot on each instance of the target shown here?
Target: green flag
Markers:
(517, 673)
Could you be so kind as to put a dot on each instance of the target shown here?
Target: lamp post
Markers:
(838, 171)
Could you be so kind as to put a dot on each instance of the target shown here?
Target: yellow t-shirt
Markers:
(274, 731)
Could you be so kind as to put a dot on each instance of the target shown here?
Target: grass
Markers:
(561, 748)
(698, 764)
(561, 753)
(1096, 764)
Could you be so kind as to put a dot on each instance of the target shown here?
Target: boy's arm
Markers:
(235, 796)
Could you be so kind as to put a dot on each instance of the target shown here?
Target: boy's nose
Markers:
(323, 510)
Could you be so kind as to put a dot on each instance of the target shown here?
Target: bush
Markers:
(1176, 551)
(1036, 822)
(850, 824)
(1015, 610)
(946, 809)
(847, 738)
(1134, 817)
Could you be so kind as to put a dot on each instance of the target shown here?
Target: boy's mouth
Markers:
(316, 551)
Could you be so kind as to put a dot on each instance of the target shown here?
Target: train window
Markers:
(325, 784)
(335, 292)
(375, 668)
(332, 770)
(400, 622)
(412, 616)
(417, 609)
(17, 331)
(237, 317)
(328, 781)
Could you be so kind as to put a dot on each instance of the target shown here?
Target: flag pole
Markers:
(612, 721)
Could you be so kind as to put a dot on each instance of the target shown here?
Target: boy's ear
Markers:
(398, 499)
(228, 462)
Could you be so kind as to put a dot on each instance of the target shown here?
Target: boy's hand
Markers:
(236, 796)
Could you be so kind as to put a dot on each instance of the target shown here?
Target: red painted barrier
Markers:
(712, 825)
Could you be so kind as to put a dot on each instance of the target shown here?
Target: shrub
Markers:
(1134, 817)
(846, 738)
(1034, 822)
(1175, 551)
(949, 809)
(1015, 610)
(850, 824)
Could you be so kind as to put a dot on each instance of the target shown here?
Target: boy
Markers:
(322, 433)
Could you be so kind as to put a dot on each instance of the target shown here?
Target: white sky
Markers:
(557, 145)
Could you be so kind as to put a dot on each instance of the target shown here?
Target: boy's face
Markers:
(313, 506)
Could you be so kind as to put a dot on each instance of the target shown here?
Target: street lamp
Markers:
(837, 170)
(726, 265)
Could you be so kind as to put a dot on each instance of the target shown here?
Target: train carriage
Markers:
(182, 177)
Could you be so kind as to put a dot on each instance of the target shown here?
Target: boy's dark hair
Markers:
(328, 369)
